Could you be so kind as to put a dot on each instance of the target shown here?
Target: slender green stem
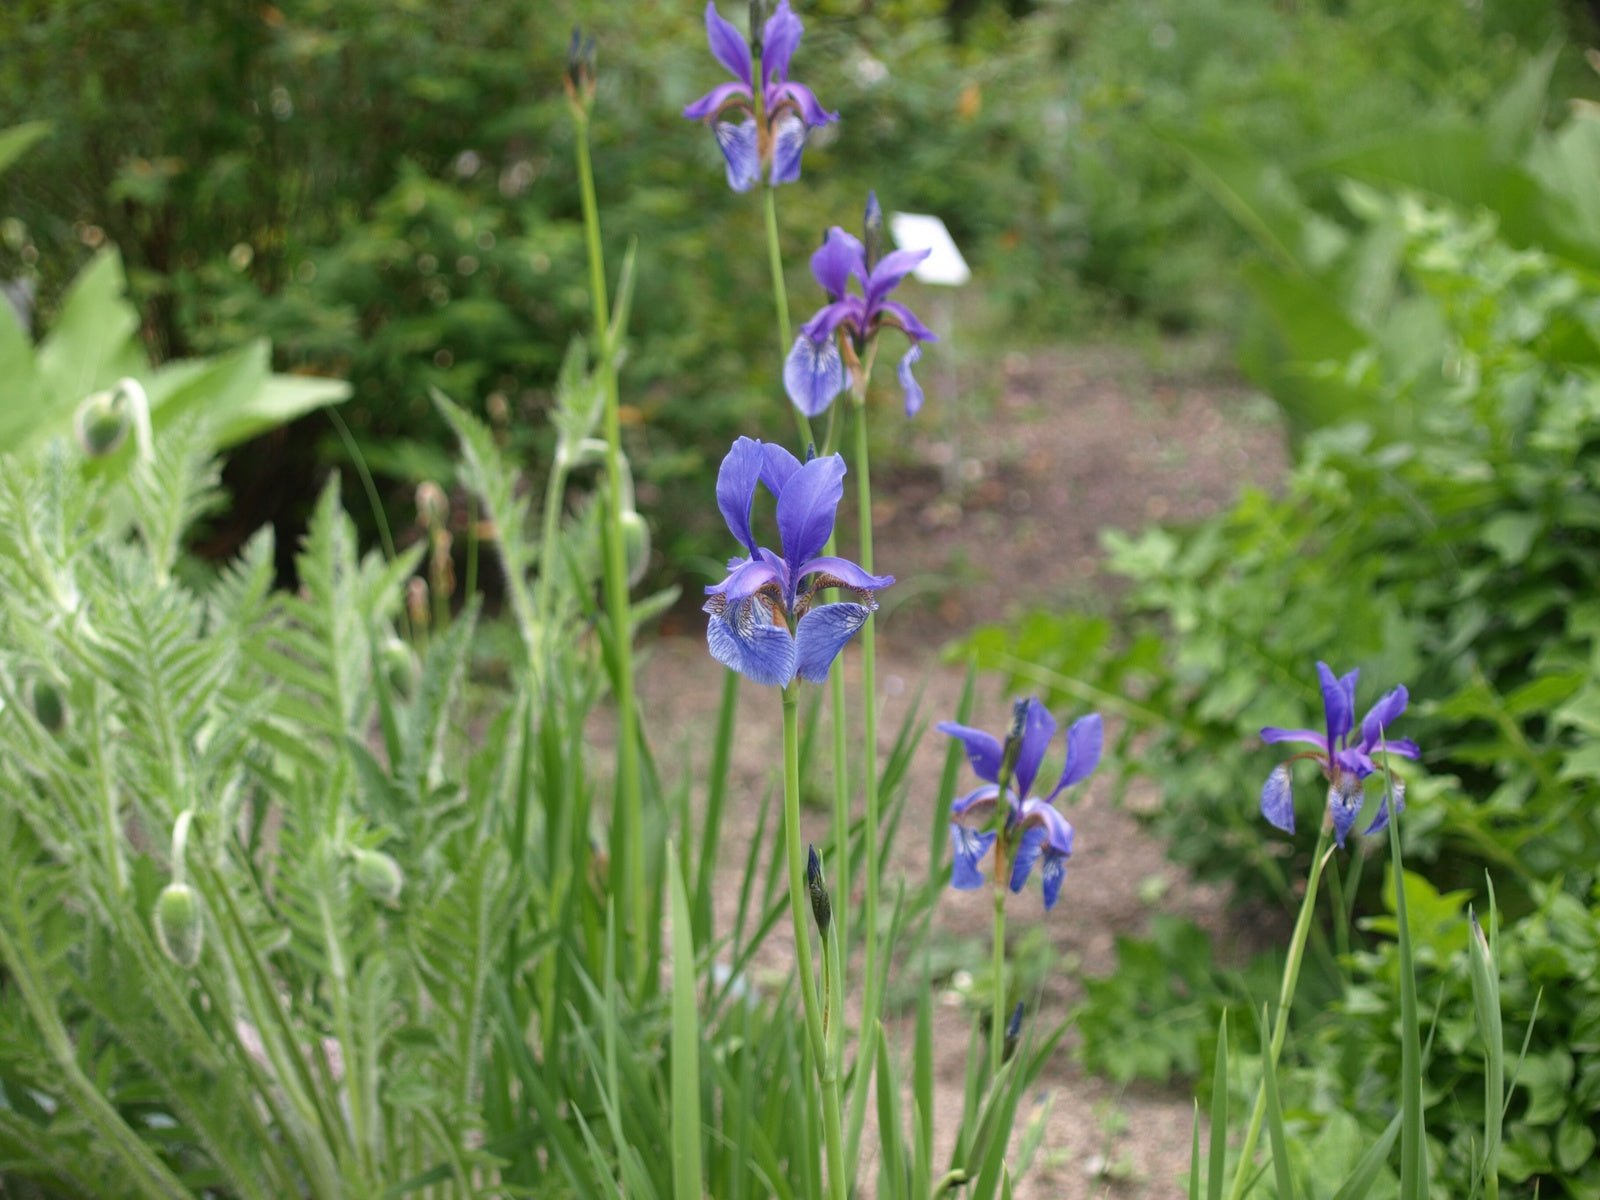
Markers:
(799, 912)
(716, 793)
(841, 803)
(997, 1018)
(1280, 1028)
(869, 733)
(780, 297)
(1413, 1184)
(628, 815)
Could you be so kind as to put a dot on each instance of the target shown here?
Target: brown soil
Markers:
(982, 516)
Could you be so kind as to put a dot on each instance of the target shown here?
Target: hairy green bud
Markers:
(49, 706)
(636, 544)
(180, 930)
(379, 874)
(102, 423)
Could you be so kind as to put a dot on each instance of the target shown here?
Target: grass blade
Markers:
(1279, 1141)
(687, 1178)
(1217, 1162)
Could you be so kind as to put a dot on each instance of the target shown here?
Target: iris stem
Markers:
(800, 914)
(780, 297)
(1280, 1027)
(997, 1019)
(628, 815)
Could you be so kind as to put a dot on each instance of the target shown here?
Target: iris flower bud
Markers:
(821, 905)
(180, 931)
(379, 874)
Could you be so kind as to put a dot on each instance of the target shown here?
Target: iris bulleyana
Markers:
(1033, 829)
(763, 622)
(788, 111)
(832, 342)
(1345, 761)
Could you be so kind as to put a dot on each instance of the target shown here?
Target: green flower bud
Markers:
(49, 706)
(102, 422)
(379, 874)
(821, 903)
(179, 928)
(399, 666)
(636, 544)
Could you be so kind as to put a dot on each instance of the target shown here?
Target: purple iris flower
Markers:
(788, 110)
(819, 368)
(763, 624)
(1033, 829)
(1346, 760)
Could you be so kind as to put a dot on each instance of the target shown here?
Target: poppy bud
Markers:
(821, 905)
(102, 423)
(179, 928)
(48, 705)
(379, 874)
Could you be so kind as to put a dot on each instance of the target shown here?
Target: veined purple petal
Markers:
(1381, 715)
(1026, 854)
(712, 102)
(727, 43)
(779, 38)
(740, 147)
(968, 846)
(908, 382)
(1338, 701)
(983, 749)
(1353, 760)
(776, 467)
(813, 374)
(1277, 799)
(1038, 727)
(1058, 830)
(847, 311)
(1401, 748)
(788, 141)
(1052, 876)
(1345, 797)
(743, 638)
(804, 99)
(1272, 734)
(1084, 741)
(845, 571)
(840, 256)
(745, 580)
(978, 798)
(736, 487)
(807, 505)
(906, 320)
(822, 633)
(891, 269)
(1381, 821)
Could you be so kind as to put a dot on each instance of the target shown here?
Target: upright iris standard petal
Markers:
(813, 374)
(823, 632)
(806, 507)
(840, 256)
(779, 39)
(1277, 799)
(727, 44)
(802, 98)
(1336, 703)
(983, 749)
(740, 146)
(736, 487)
(1038, 727)
(909, 386)
(1084, 741)
(888, 273)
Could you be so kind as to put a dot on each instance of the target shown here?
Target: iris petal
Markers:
(813, 374)
(805, 99)
(1381, 821)
(1273, 734)
(739, 146)
(788, 141)
(848, 311)
(840, 256)
(745, 579)
(727, 44)
(736, 487)
(968, 846)
(1277, 799)
(983, 749)
(979, 800)
(1026, 854)
(906, 320)
(743, 638)
(890, 270)
(1036, 814)
(1084, 741)
(1038, 728)
(711, 103)
(779, 38)
(1051, 877)
(1380, 716)
(845, 571)
(908, 381)
(1336, 705)
(807, 505)
(822, 633)
(777, 464)
(1344, 805)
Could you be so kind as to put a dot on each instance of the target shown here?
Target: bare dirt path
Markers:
(980, 518)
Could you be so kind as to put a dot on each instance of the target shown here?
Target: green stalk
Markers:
(628, 816)
(780, 297)
(869, 732)
(1280, 1027)
(997, 1018)
(841, 802)
(716, 794)
(800, 913)
(1412, 1184)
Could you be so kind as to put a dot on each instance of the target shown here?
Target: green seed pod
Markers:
(379, 874)
(636, 543)
(179, 928)
(49, 706)
(399, 666)
(102, 422)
